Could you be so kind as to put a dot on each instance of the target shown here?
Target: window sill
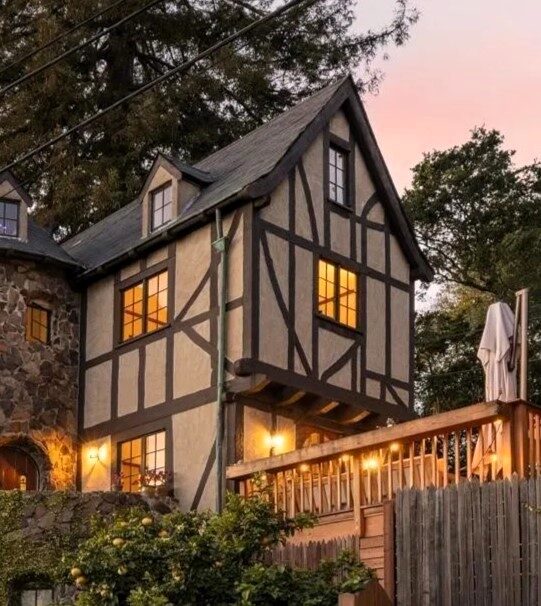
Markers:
(145, 335)
(344, 209)
(332, 324)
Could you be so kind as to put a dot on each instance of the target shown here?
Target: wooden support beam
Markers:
(348, 415)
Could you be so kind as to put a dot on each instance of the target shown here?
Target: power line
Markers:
(74, 49)
(166, 76)
(56, 39)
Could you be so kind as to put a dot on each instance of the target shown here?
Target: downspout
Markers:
(220, 246)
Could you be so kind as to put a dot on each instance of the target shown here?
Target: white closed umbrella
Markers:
(495, 351)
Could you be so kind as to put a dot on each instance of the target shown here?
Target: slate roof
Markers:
(226, 171)
(246, 169)
(40, 246)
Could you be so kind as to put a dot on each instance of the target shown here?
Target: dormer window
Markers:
(161, 206)
(9, 218)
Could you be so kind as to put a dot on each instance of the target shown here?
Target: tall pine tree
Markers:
(88, 175)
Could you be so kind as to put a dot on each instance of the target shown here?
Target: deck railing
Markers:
(484, 441)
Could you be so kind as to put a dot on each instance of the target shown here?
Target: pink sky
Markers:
(468, 63)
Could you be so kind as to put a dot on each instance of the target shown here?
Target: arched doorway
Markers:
(14, 464)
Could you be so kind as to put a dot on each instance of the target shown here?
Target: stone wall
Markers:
(38, 383)
(71, 512)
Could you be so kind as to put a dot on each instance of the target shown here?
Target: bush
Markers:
(137, 559)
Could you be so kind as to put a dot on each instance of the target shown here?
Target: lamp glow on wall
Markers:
(275, 441)
(97, 454)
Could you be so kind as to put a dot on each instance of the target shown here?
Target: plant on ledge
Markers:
(137, 559)
(156, 483)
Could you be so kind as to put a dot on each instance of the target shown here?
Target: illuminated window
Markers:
(161, 206)
(139, 456)
(337, 293)
(157, 302)
(144, 306)
(338, 175)
(9, 218)
(37, 324)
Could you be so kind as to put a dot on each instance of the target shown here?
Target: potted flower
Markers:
(117, 481)
(156, 483)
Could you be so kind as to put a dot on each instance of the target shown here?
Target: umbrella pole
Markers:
(523, 296)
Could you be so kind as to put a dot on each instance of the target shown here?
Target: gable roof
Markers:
(250, 168)
(39, 244)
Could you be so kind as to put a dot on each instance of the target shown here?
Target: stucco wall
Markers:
(194, 432)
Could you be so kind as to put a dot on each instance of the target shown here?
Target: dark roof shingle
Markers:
(39, 245)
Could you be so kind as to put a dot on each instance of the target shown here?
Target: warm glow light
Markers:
(275, 440)
(394, 447)
(96, 453)
(304, 468)
(370, 464)
(493, 458)
(344, 458)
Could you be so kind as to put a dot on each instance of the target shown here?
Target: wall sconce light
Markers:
(304, 468)
(493, 458)
(394, 447)
(274, 441)
(370, 464)
(97, 454)
(344, 458)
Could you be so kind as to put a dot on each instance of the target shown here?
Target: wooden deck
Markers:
(350, 483)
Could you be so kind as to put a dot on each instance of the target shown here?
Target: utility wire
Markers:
(74, 49)
(56, 39)
(165, 76)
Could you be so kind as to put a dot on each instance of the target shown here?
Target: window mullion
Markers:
(336, 292)
(145, 306)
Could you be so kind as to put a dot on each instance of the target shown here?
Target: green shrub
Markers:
(137, 559)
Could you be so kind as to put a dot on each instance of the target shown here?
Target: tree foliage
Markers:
(98, 170)
(203, 558)
(478, 218)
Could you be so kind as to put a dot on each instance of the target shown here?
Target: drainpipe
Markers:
(220, 246)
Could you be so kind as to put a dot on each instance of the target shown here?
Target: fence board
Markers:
(469, 544)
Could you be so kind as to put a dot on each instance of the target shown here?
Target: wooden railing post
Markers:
(520, 446)
(389, 550)
(356, 486)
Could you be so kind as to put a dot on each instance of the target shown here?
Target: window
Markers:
(141, 455)
(338, 175)
(144, 306)
(337, 293)
(37, 324)
(37, 597)
(9, 218)
(161, 206)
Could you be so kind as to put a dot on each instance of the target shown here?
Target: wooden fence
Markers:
(309, 554)
(470, 544)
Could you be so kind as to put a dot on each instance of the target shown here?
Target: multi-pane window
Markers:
(141, 456)
(144, 306)
(37, 597)
(37, 324)
(338, 175)
(157, 302)
(9, 218)
(337, 293)
(161, 206)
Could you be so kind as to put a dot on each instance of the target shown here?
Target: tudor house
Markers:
(276, 276)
